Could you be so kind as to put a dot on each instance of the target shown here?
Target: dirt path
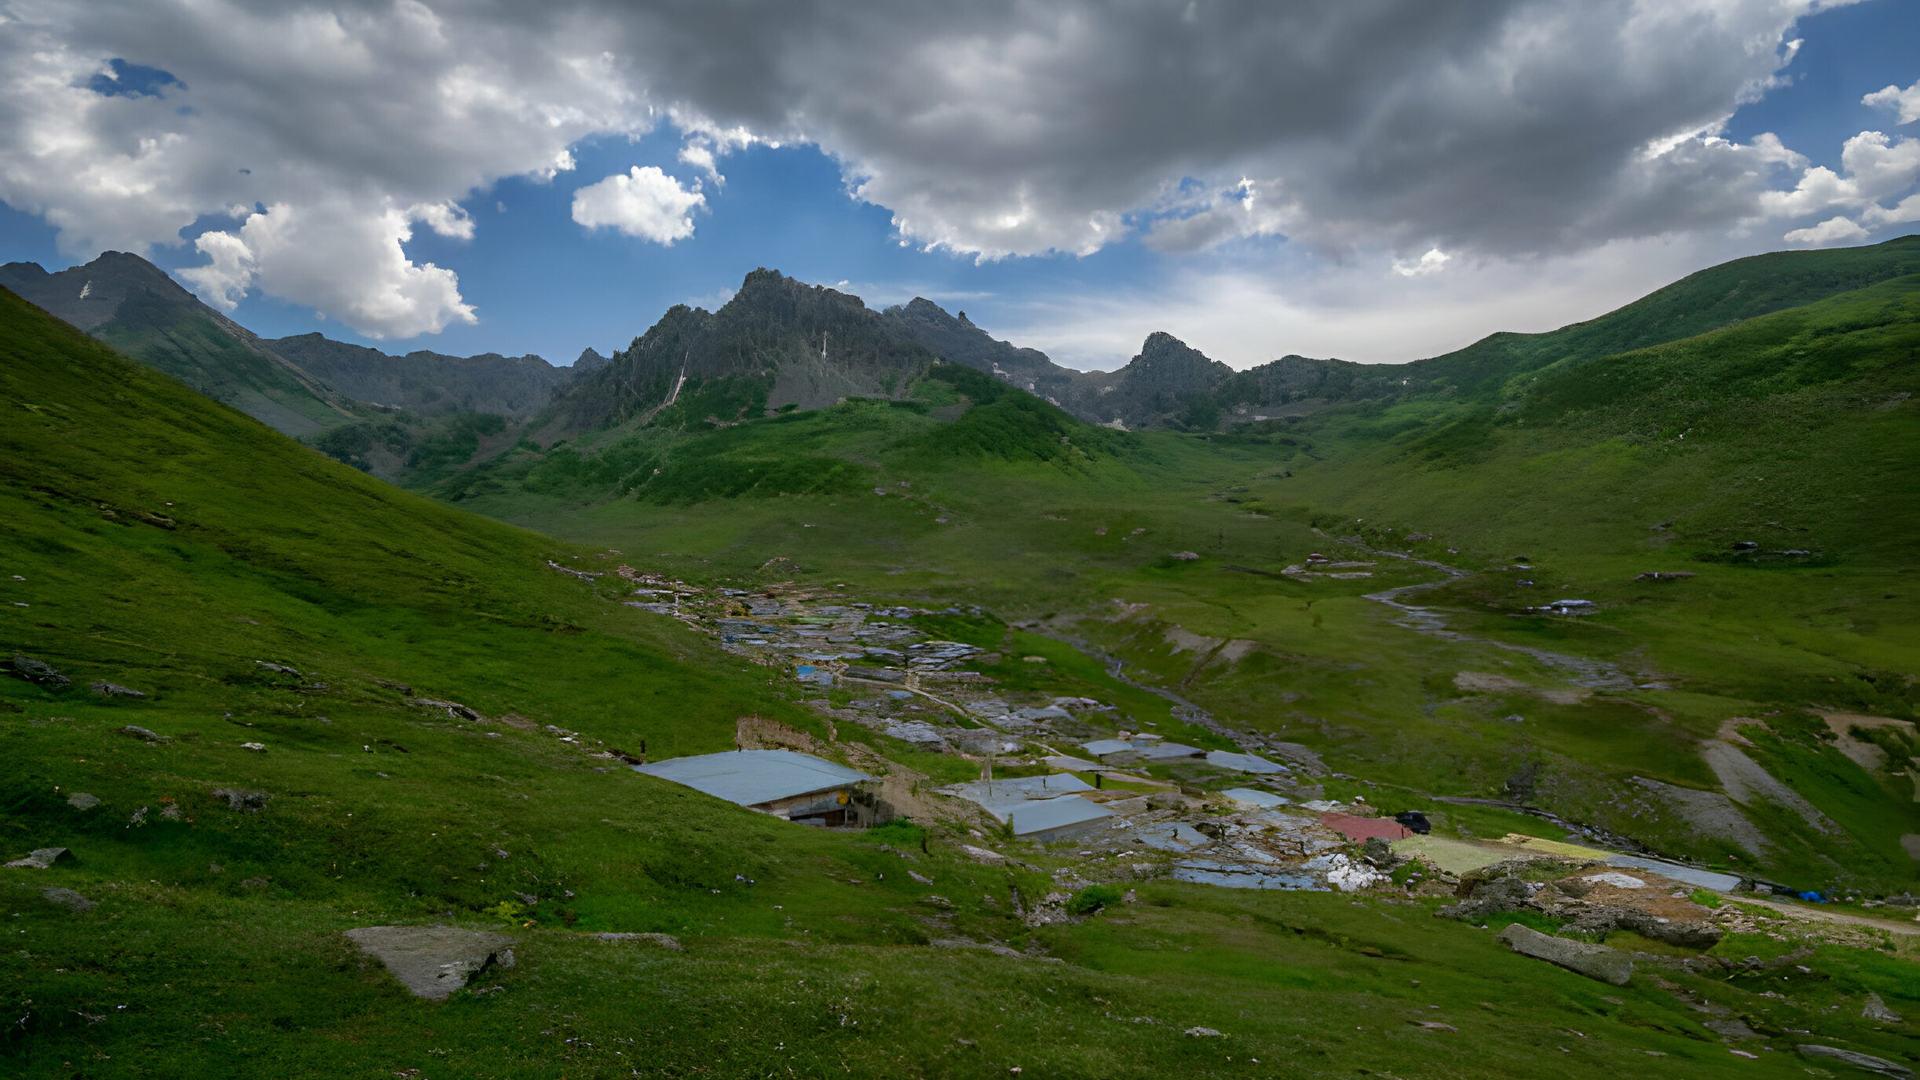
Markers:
(1909, 928)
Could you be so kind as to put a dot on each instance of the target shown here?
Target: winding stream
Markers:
(1582, 671)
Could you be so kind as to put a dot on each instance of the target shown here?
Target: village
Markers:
(1067, 780)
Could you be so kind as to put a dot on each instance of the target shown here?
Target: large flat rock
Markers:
(433, 961)
(1593, 961)
(1857, 1060)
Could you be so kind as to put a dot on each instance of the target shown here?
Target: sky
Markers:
(1375, 180)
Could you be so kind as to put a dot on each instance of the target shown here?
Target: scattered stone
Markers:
(68, 899)
(1730, 1029)
(80, 800)
(138, 732)
(455, 710)
(1616, 879)
(281, 668)
(42, 858)
(665, 941)
(1859, 1061)
(171, 811)
(249, 802)
(983, 856)
(1435, 1025)
(1664, 575)
(1593, 961)
(922, 879)
(1203, 1033)
(256, 883)
(1604, 919)
(39, 672)
(107, 689)
(1876, 1009)
(139, 817)
(434, 961)
(1185, 556)
(258, 748)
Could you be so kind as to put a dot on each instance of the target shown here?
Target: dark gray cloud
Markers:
(1475, 128)
(1494, 126)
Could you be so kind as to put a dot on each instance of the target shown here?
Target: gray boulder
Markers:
(69, 899)
(1487, 898)
(41, 859)
(250, 802)
(433, 961)
(39, 672)
(1593, 961)
(1859, 1061)
(107, 689)
(1876, 1009)
(1604, 919)
(80, 800)
(665, 941)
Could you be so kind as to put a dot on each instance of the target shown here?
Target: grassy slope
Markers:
(1712, 299)
(278, 554)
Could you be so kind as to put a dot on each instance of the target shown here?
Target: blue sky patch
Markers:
(132, 80)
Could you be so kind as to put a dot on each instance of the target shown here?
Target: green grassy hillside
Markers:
(134, 306)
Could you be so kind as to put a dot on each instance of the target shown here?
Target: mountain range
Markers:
(299, 385)
(782, 345)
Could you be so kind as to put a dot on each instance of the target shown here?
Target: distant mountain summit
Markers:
(300, 385)
(132, 305)
(957, 339)
(778, 343)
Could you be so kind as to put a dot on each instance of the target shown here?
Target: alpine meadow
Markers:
(824, 684)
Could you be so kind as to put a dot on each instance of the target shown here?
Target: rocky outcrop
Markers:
(39, 673)
(433, 961)
(1814, 1052)
(1593, 961)
(40, 858)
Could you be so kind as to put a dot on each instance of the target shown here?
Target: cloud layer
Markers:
(1424, 135)
(323, 131)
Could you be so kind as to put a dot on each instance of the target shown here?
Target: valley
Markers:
(1626, 613)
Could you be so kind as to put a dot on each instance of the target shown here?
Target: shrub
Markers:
(1092, 899)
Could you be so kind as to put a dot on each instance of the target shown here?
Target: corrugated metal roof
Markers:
(1247, 763)
(1055, 814)
(1165, 750)
(752, 777)
(1002, 797)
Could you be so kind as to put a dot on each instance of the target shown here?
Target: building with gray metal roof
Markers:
(799, 787)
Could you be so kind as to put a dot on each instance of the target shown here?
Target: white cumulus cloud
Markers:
(1432, 262)
(1834, 230)
(1904, 103)
(351, 120)
(643, 203)
(290, 250)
